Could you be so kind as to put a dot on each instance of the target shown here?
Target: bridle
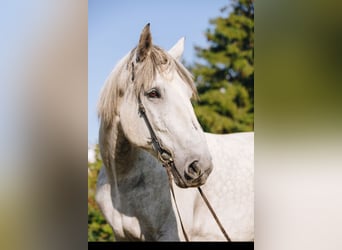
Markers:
(167, 160)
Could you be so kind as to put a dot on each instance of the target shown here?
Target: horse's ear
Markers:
(145, 44)
(177, 50)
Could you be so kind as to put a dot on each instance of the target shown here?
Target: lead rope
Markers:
(214, 214)
(166, 164)
(174, 199)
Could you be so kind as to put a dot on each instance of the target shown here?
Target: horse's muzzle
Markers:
(193, 176)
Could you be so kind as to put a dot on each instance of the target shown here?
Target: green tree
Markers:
(225, 75)
(98, 228)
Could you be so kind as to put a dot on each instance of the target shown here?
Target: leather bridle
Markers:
(167, 160)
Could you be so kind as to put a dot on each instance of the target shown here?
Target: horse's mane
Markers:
(142, 74)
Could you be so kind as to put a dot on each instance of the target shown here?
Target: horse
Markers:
(146, 116)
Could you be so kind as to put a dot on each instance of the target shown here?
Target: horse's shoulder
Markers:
(232, 153)
(233, 140)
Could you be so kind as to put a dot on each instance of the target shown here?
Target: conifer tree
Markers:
(225, 75)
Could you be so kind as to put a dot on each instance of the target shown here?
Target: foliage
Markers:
(98, 229)
(225, 78)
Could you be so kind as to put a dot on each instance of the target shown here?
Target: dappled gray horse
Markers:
(133, 190)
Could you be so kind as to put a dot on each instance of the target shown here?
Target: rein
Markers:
(166, 158)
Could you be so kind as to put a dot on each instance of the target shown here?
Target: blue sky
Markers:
(114, 28)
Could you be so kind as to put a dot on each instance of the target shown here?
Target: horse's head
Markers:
(160, 83)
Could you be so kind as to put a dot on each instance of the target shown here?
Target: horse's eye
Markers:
(154, 93)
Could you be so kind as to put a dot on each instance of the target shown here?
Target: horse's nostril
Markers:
(194, 169)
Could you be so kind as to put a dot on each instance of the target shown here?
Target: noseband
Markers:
(166, 158)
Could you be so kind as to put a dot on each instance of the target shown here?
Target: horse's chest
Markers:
(129, 228)
(128, 219)
(141, 210)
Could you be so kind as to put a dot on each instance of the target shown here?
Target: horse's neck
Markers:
(126, 156)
